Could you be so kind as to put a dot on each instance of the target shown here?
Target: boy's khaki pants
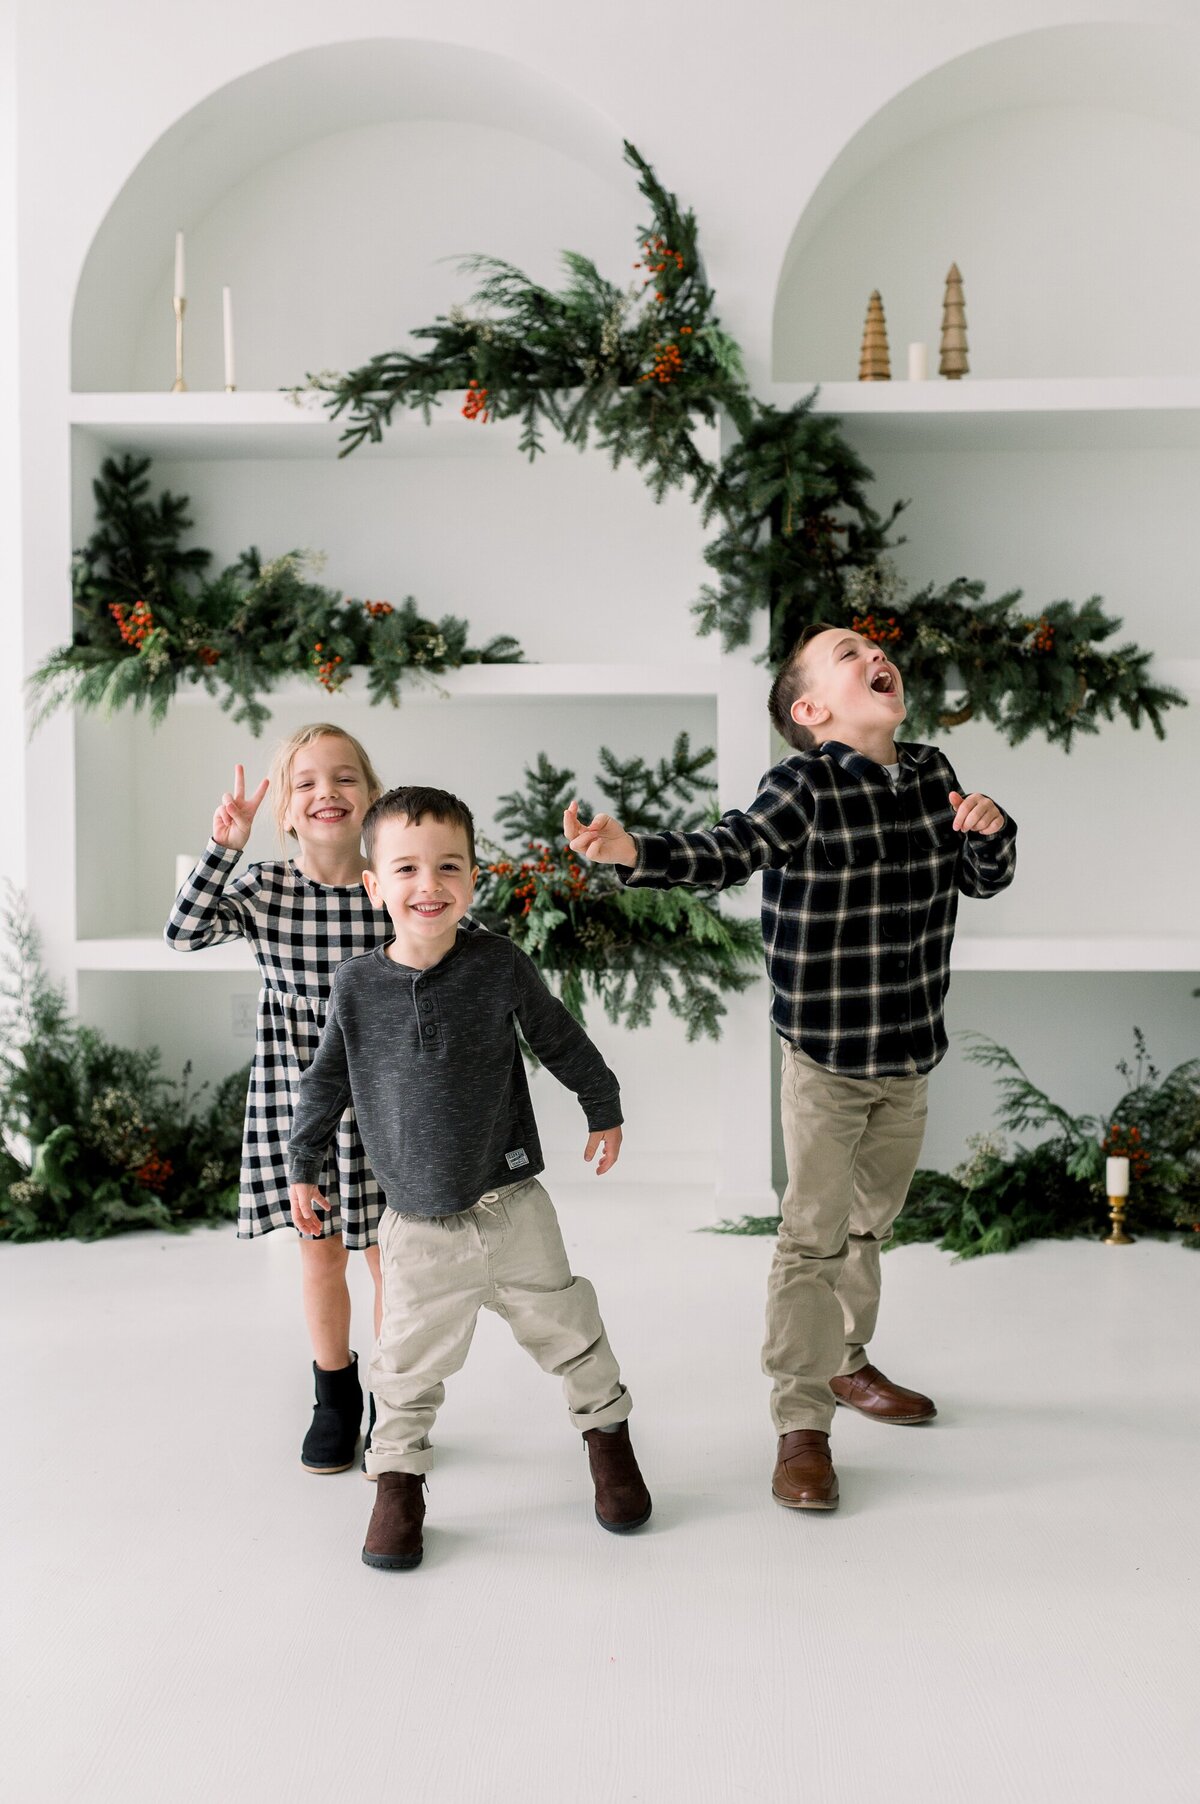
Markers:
(505, 1254)
(852, 1146)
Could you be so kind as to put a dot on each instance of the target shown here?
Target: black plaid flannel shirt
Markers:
(860, 892)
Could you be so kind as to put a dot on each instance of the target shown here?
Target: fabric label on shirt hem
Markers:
(515, 1160)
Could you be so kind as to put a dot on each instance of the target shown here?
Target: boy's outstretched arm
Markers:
(988, 860)
(741, 842)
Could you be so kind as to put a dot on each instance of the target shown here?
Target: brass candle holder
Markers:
(179, 386)
(1116, 1210)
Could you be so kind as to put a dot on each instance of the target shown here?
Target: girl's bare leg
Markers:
(326, 1300)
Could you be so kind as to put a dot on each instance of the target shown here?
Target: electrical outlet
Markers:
(244, 1012)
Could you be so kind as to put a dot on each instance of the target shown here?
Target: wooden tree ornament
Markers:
(953, 362)
(873, 364)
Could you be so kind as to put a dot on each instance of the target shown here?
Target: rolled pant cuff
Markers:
(608, 1417)
(416, 1463)
(820, 1420)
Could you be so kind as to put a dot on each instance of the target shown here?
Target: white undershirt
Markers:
(893, 772)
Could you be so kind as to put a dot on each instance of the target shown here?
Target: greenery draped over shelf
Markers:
(94, 1140)
(634, 368)
(149, 619)
(1054, 1189)
(629, 948)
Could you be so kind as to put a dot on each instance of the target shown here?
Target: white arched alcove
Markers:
(1059, 169)
(326, 189)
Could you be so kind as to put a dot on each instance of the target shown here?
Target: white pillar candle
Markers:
(185, 864)
(1118, 1177)
(918, 363)
(227, 319)
(180, 291)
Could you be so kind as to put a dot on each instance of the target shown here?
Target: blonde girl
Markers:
(302, 915)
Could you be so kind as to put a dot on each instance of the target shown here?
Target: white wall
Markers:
(744, 117)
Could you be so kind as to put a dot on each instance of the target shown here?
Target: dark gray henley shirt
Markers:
(431, 1063)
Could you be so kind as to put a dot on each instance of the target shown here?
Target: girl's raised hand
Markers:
(235, 817)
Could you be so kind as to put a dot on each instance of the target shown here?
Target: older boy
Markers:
(865, 847)
(421, 1037)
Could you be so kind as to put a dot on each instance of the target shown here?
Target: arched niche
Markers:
(326, 189)
(1060, 169)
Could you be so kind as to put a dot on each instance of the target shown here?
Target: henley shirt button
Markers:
(430, 1030)
(428, 1007)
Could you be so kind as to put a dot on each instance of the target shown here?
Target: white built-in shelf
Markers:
(1083, 953)
(270, 425)
(509, 682)
(1015, 414)
(150, 952)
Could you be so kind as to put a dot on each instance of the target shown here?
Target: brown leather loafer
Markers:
(804, 1478)
(394, 1531)
(622, 1500)
(871, 1394)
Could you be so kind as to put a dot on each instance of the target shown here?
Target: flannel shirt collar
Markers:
(910, 755)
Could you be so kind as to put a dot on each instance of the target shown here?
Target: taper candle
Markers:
(185, 864)
(918, 363)
(227, 319)
(1117, 1177)
(180, 290)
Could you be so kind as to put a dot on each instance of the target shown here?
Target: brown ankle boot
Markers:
(804, 1477)
(622, 1500)
(394, 1531)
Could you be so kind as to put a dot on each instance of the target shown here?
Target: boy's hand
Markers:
(610, 1139)
(602, 841)
(306, 1199)
(235, 817)
(975, 813)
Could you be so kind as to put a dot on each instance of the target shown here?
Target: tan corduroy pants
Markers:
(505, 1254)
(852, 1146)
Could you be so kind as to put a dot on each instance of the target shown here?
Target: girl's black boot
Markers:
(337, 1416)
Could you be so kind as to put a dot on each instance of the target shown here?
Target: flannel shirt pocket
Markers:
(843, 847)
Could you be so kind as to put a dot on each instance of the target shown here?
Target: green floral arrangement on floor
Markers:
(635, 367)
(1054, 1190)
(94, 1140)
(587, 934)
(149, 620)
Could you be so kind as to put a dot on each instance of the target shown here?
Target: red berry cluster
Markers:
(154, 1172)
(568, 880)
(667, 363)
(134, 624)
(377, 609)
(208, 654)
(1127, 1143)
(326, 668)
(475, 406)
(658, 255)
(881, 631)
(1043, 634)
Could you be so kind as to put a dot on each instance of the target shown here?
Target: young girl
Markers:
(302, 917)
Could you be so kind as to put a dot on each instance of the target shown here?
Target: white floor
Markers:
(1005, 1606)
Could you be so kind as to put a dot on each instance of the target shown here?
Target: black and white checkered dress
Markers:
(300, 931)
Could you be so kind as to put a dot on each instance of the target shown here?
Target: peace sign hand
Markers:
(235, 817)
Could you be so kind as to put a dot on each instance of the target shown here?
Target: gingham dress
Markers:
(300, 931)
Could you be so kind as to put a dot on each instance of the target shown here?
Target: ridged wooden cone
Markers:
(873, 362)
(952, 362)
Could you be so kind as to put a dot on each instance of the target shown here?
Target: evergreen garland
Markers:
(1053, 1190)
(149, 619)
(93, 1138)
(628, 948)
(637, 368)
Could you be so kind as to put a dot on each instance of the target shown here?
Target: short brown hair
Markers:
(412, 802)
(788, 687)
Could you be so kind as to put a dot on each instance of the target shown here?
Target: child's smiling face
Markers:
(329, 793)
(421, 872)
(852, 691)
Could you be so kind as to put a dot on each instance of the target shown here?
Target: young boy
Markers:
(421, 1038)
(865, 847)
